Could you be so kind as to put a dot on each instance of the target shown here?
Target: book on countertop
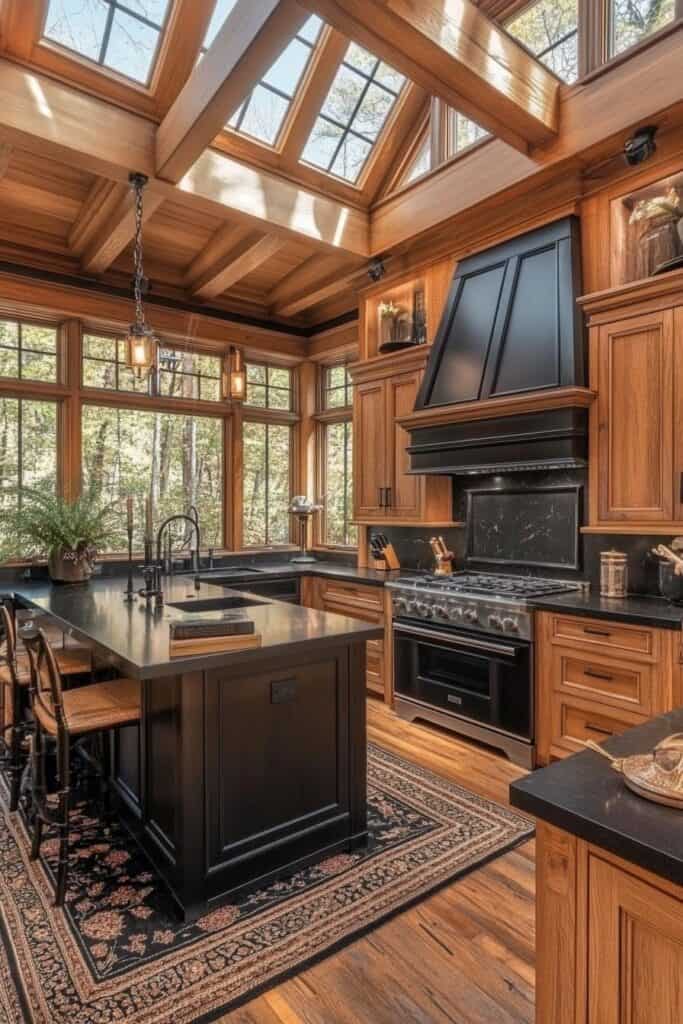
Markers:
(200, 627)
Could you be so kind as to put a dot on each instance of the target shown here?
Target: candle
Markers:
(148, 519)
(129, 511)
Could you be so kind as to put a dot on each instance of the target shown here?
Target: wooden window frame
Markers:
(271, 364)
(323, 418)
(268, 417)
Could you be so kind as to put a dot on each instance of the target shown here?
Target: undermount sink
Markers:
(230, 570)
(215, 604)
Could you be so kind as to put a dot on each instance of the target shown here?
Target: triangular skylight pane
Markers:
(353, 115)
(123, 37)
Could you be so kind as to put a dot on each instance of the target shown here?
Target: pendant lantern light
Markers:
(141, 344)
(234, 376)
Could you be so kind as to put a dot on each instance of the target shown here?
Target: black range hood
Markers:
(505, 385)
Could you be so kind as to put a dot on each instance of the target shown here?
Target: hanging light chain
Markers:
(138, 181)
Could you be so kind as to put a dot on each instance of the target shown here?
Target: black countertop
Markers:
(584, 796)
(137, 641)
(285, 570)
(639, 611)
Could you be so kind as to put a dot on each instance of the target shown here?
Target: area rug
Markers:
(117, 953)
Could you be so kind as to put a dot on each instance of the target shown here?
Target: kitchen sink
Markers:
(230, 570)
(215, 604)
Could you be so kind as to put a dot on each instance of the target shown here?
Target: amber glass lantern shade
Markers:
(235, 376)
(141, 350)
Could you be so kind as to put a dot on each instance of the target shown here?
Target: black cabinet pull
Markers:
(381, 494)
(681, 489)
(388, 491)
(598, 675)
(596, 632)
(599, 728)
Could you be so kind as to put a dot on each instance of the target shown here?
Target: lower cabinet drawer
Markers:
(604, 680)
(353, 596)
(611, 636)
(575, 721)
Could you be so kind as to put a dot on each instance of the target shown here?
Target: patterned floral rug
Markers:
(118, 954)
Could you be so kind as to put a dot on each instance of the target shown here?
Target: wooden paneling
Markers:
(404, 496)
(635, 419)
(458, 54)
(635, 949)
(369, 449)
(556, 921)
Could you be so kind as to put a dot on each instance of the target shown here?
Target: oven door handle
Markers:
(459, 641)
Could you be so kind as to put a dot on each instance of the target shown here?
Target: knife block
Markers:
(388, 563)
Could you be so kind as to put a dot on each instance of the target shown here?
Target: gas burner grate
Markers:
(500, 586)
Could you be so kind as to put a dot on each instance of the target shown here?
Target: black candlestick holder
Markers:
(129, 594)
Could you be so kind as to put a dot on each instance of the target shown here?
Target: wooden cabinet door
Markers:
(405, 491)
(678, 414)
(635, 419)
(635, 950)
(370, 433)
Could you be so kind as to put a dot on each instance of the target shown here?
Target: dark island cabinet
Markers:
(245, 772)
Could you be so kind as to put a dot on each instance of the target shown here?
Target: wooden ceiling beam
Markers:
(252, 38)
(20, 26)
(316, 280)
(454, 51)
(237, 263)
(113, 228)
(181, 47)
(594, 120)
(54, 120)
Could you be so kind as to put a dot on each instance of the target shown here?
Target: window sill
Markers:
(620, 58)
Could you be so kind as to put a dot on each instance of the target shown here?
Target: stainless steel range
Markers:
(464, 654)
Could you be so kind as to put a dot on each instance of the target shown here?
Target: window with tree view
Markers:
(354, 113)
(177, 459)
(181, 373)
(549, 28)
(122, 35)
(338, 473)
(266, 484)
(28, 351)
(269, 387)
(28, 454)
(633, 20)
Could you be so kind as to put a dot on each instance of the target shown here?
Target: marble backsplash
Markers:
(412, 543)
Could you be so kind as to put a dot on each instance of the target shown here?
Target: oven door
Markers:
(485, 680)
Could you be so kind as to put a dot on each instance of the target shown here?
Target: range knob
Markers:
(495, 622)
(441, 611)
(470, 615)
(423, 610)
(411, 607)
(400, 605)
(510, 625)
(455, 613)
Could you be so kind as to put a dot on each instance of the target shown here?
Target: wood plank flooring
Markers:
(463, 956)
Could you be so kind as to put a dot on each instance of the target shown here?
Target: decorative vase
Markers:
(66, 565)
(658, 243)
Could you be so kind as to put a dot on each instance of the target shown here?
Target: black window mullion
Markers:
(106, 35)
(359, 101)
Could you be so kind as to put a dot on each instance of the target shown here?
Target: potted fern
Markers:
(68, 532)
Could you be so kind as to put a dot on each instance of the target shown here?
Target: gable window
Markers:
(461, 133)
(549, 29)
(122, 35)
(633, 20)
(28, 351)
(354, 113)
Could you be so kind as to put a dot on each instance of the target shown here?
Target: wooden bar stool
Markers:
(15, 677)
(66, 716)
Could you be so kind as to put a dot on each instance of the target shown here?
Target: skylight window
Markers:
(358, 104)
(549, 29)
(122, 35)
(263, 113)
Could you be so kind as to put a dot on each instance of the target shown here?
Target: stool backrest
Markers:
(46, 682)
(9, 640)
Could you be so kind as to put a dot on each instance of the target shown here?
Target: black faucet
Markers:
(156, 589)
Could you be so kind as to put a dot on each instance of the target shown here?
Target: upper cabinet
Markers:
(636, 438)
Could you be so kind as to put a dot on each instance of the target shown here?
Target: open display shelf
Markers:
(640, 247)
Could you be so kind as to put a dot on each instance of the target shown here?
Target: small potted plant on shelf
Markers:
(67, 532)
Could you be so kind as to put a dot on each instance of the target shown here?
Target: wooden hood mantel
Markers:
(494, 408)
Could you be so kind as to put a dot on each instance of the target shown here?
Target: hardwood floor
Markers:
(463, 956)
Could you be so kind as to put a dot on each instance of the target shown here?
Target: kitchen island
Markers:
(609, 883)
(246, 765)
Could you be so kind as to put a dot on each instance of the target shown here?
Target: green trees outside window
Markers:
(266, 487)
(28, 453)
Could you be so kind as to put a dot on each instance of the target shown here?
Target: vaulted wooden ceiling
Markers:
(232, 222)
